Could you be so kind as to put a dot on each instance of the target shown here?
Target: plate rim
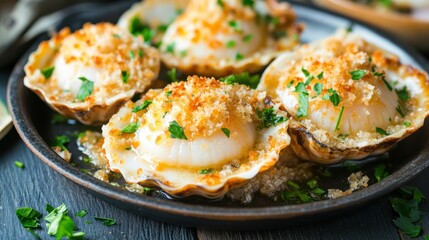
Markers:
(29, 134)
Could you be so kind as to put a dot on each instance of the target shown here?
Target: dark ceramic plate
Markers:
(32, 119)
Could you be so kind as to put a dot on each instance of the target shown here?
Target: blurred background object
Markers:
(407, 19)
(22, 20)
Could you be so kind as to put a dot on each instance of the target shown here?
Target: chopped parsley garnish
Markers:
(162, 28)
(332, 96)
(85, 89)
(60, 225)
(407, 208)
(142, 106)
(137, 28)
(86, 160)
(176, 131)
(303, 104)
(381, 131)
(317, 88)
(58, 118)
(115, 35)
(82, 213)
(358, 74)
(168, 93)
(407, 124)
(131, 128)
(207, 171)
(220, 3)
(106, 221)
(389, 87)
(304, 194)
(279, 34)
(234, 25)
(343, 136)
(247, 38)
(239, 56)
(290, 84)
(60, 141)
(339, 119)
(230, 44)
(28, 217)
(243, 78)
(140, 52)
(374, 72)
(351, 166)
(312, 183)
(249, 3)
(132, 56)
(293, 184)
(403, 94)
(320, 75)
(128, 148)
(172, 75)
(170, 48)
(305, 72)
(269, 118)
(47, 72)
(226, 132)
(19, 164)
(401, 108)
(125, 76)
(380, 172)
(300, 88)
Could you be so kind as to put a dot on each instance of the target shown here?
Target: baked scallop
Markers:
(89, 74)
(218, 38)
(150, 18)
(348, 99)
(196, 137)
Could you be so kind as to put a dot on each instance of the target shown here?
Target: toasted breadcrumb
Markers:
(356, 181)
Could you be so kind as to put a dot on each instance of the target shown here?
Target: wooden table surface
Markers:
(37, 184)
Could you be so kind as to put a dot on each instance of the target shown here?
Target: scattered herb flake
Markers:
(247, 38)
(142, 106)
(351, 166)
(249, 3)
(47, 72)
(137, 28)
(85, 90)
(318, 191)
(317, 88)
(230, 44)
(407, 124)
(226, 131)
(172, 75)
(389, 87)
(60, 141)
(115, 35)
(19, 164)
(88, 222)
(303, 104)
(28, 217)
(320, 75)
(125, 76)
(59, 224)
(58, 118)
(358, 74)
(162, 28)
(305, 72)
(403, 94)
(312, 184)
(290, 84)
(132, 56)
(170, 48)
(333, 96)
(381, 131)
(106, 221)
(140, 52)
(234, 25)
(176, 131)
(82, 213)
(168, 93)
(339, 119)
(380, 172)
(131, 128)
(300, 88)
(269, 118)
(220, 3)
(293, 184)
(245, 78)
(207, 171)
(239, 56)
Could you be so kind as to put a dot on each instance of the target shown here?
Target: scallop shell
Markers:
(213, 38)
(156, 14)
(192, 163)
(118, 65)
(347, 118)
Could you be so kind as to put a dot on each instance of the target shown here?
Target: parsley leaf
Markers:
(85, 89)
(207, 171)
(106, 221)
(47, 72)
(249, 3)
(137, 28)
(28, 217)
(381, 131)
(59, 224)
(230, 44)
(407, 227)
(407, 124)
(172, 75)
(125, 76)
(387, 84)
(300, 88)
(239, 56)
(403, 94)
(243, 78)
(269, 118)
(247, 38)
(58, 118)
(82, 213)
(168, 93)
(60, 141)
(220, 3)
(176, 131)
(19, 164)
(380, 172)
(339, 119)
(131, 128)
(317, 88)
(303, 104)
(358, 74)
(142, 106)
(320, 75)
(170, 48)
(234, 25)
(226, 131)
